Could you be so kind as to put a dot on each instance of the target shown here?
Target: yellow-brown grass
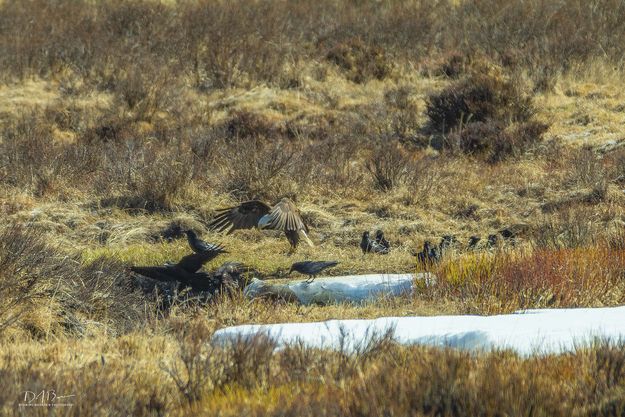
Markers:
(119, 119)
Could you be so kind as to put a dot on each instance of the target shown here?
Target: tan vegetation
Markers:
(122, 119)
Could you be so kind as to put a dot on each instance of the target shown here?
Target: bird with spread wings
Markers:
(186, 271)
(283, 216)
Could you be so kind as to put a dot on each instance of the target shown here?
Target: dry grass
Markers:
(117, 125)
(187, 375)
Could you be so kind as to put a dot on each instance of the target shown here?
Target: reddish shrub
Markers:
(562, 277)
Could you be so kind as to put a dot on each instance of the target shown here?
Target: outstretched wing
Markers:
(244, 216)
(192, 263)
(286, 217)
(159, 273)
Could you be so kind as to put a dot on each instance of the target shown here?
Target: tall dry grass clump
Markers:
(544, 277)
(46, 291)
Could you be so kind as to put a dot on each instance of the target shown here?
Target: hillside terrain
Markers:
(123, 123)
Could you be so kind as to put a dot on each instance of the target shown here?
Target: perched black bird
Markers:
(473, 240)
(492, 241)
(197, 244)
(429, 255)
(379, 238)
(367, 245)
(436, 254)
(507, 233)
(514, 231)
(186, 271)
(364, 242)
(311, 268)
(447, 241)
(283, 216)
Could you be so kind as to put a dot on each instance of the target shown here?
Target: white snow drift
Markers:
(526, 332)
(350, 288)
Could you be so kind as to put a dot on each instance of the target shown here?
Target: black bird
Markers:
(379, 238)
(197, 244)
(473, 240)
(436, 253)
(514, 231)
(492, 241)
(424, 256)
(367, 245)
(507, 233)
(429, 255)
(446, 242)
(311, 268)
(185, 271)
(283, 216)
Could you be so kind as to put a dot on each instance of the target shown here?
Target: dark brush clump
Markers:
(478, 98)
(494, 142)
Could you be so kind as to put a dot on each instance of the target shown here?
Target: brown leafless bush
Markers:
(519, 139)
(454, 65)
(475, 138)
(608, 370)
(236, 47)
(330, 164)
(245, 124)
(31, 160)
(404, 115)
(387, 166)
(150, 177)
(494, 141)
(144, 90)
(203, 367)
(24, 272)
(252, 168)
(587, 169)
(360, 61)
(423, 179)
(194, 369)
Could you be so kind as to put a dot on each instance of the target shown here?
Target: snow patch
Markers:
(526, 332)
(350, 288)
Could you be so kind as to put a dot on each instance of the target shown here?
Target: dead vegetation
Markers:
(49, 293)
(188, 373)
(122, 121)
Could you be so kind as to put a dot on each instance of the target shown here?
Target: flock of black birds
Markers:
(377, 245)
(283, 216)
(432, 254)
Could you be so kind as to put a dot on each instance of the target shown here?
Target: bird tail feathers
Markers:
(307, 239)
